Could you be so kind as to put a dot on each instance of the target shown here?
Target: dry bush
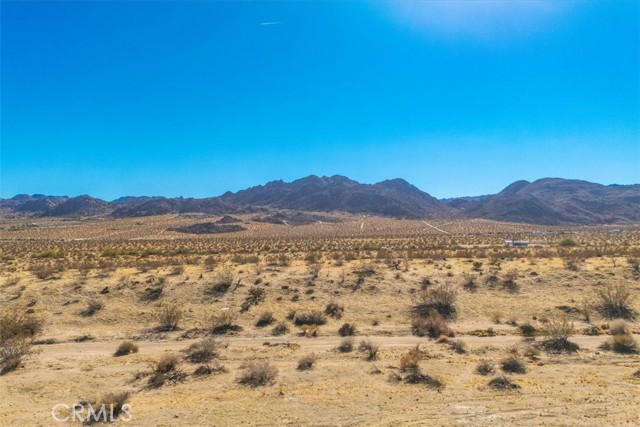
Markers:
(168, 316)
(558, 331)
(113, 403)
(12, 351)
(527, 329)
(127, 347)
(458, 346)
(17, 324)
(618, 327)
(623, 344)
(223, 323)
(502, 383)
(257, 373)
(433, 325)
(202, 351)
(306, 362)
(410, 361)
(255, 296)
(513, 364)
(346, 345)
(309, 318)
(93, 307)
(221, 283)
(469, 283)
(370, 349)
(280, 329)
(333, 309)
(347, 330)
(208, 369)
(265, 319)
(441, 298)
(614, 301)
(166, 369)
(485, 368)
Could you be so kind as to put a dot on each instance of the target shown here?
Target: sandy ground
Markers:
(591, 387)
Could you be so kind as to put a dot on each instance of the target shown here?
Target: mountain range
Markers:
(548, 201)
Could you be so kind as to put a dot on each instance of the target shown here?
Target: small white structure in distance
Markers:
(517, 243)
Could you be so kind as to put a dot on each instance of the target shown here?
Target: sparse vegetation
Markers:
(125, 348)
(257, 374)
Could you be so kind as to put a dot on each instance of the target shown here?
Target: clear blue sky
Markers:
(117, 98)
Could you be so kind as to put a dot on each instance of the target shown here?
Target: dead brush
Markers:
(125, 348)
(335, 310)
(167, 369)
(558, 331)
(257, 373)
(433, 325)
(622, 344)
(613, 301)
(347, 330)
(114, 404)
(222, 282)
(369, 349)
(93, 307)
(441, 298)
(346, 345)
(265, 319)
(168, 316)
(306, 362)
(202, 351)
(223, 323)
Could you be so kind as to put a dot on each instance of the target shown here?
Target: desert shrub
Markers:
(306, 362)
(224, 323)
(527, 329)
(310, 318)
(347, 330)
(12, 351)
(265, 319)
(614, 301)
(469, 283)
(370, 349)
(410, 361)
(502, 383)
(509, 281)
(168, 316)
(558, 330)
(255, 296)
(280, 329)
(153, 293)
(567, 243)
(113, 404)
(221, 283)
(17, 324)
(433, 325)
(127, 347)
(513, 364)
(202, 351)
(257, 373)
(208, 369)
(166, 369)
(458, 346)
(618, 327)
(623, 344)
(441, 298)
(485, 368)
(346, 345)
(93, 307)
(333, 309)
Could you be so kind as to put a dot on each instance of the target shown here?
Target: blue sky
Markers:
(169, 98)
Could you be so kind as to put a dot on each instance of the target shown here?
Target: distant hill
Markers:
(548, 201)
(555, 201)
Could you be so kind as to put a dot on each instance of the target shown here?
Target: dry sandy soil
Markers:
(54, 269)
